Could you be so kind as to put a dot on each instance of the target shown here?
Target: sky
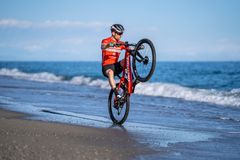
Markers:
(72, 30)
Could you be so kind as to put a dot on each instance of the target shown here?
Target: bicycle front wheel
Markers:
(118, 110)
(144, 60)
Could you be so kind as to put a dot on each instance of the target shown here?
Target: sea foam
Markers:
(226, 98)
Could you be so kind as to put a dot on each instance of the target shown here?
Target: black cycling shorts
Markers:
(116, 68)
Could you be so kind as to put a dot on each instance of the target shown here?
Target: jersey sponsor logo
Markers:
(113, 50)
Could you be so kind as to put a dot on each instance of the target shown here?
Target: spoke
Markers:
(144, 69)
(119, 113)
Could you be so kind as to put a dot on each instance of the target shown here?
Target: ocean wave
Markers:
(81, 80)
(226, 98)
(231, 98)
(42, 77)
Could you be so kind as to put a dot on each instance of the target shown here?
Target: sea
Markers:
(187, 110)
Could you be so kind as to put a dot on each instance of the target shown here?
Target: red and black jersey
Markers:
(110, 55)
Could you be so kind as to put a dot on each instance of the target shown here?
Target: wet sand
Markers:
(28, 139)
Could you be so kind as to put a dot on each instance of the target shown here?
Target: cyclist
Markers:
(110, 54)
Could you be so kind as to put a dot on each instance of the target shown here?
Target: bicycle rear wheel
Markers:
(119, 113)
(144, 60)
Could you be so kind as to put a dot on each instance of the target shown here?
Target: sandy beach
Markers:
(27, 139)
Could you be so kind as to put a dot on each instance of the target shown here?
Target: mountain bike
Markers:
(143, 57)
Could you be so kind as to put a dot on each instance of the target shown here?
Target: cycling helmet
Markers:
(117, 28)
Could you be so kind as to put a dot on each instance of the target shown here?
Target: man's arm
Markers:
(105, 46)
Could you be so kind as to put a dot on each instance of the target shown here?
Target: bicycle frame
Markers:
(127, 72)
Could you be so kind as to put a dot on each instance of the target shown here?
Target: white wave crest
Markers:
(42, 77)
(81, 80)
(229, 98)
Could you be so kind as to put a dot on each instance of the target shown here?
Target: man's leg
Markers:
(112, 83)
(111, 80)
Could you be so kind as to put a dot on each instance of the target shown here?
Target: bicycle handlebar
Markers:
(126, 44)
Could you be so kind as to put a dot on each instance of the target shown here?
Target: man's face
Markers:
(116, 35)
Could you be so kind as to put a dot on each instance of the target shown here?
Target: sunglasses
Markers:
(118, 33)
